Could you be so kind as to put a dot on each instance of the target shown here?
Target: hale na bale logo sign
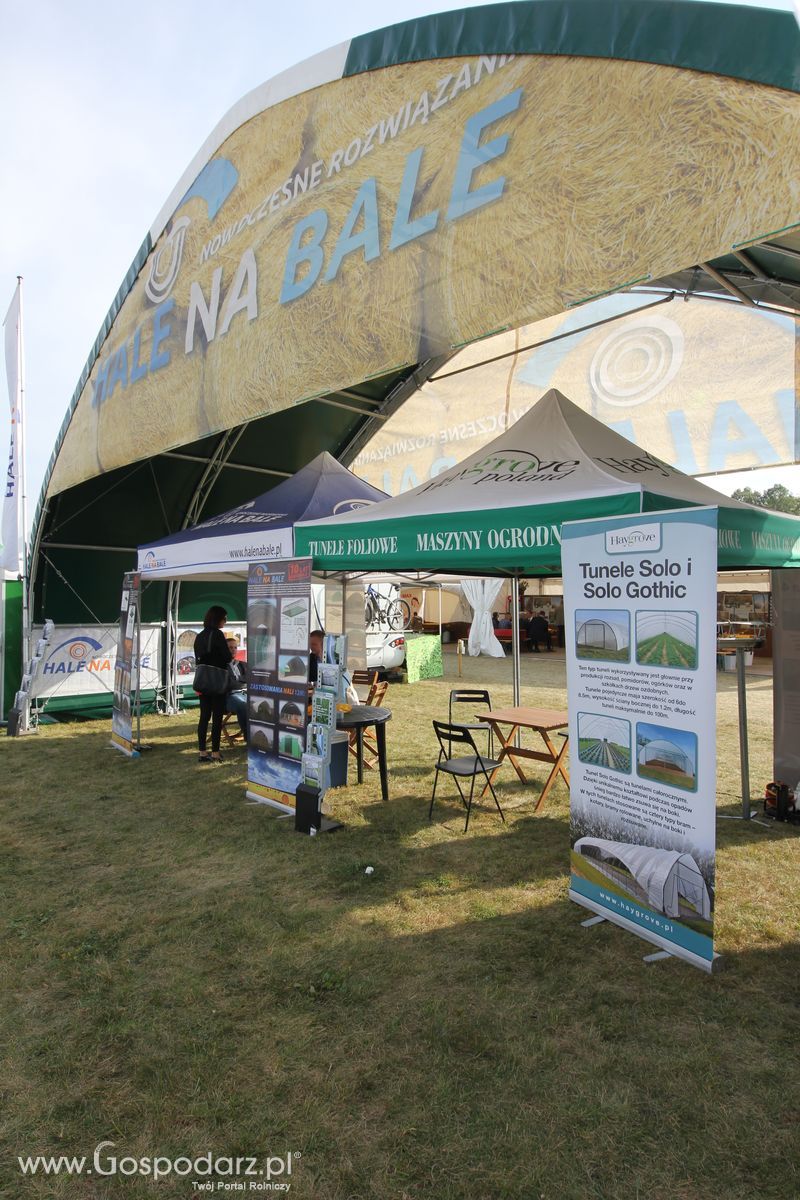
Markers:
(151, 563)
(75, 655)
(84, 654)
(214, 184)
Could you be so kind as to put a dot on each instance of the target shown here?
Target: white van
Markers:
(386, 618)
(385, 651)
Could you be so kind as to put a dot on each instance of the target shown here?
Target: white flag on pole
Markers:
(11, 565)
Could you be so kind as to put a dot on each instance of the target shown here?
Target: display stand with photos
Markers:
(311, 811)
(278, 626)
(126, 709)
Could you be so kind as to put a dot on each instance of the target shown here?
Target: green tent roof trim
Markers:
(761, 45)
(456, 543)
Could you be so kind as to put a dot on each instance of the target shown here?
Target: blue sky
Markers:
(104, 106)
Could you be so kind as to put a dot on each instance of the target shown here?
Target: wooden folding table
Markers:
(542, 721)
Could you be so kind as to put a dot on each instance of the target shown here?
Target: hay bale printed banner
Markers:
(278, 627)
(434, 182)
(640, 610)
(126, 684)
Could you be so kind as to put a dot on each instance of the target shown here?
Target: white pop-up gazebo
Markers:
(500, 511)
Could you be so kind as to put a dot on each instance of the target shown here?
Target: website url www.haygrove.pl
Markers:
(209, 1172)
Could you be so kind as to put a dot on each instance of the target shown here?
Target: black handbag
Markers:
(210, 680)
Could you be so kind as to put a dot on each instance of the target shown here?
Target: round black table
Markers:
(359, 718)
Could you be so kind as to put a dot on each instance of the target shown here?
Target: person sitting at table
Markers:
(316, 646)
(236, 698)
(539, 631)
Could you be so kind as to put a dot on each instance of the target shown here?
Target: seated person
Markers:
(316, 645)
(236, 698)
(539, 631)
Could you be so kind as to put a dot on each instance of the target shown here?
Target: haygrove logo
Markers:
(633, 539)
(77, 654)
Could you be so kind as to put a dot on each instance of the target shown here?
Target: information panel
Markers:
(278, 626)
(640, 611)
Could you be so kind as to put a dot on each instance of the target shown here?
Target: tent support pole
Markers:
(515, 635)
(137, 675)
(344, 604)
(744, 752)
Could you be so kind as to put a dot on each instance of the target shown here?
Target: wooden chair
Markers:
(231, 738)
(366, 680)
(375, 697)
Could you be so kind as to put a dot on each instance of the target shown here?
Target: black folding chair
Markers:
(474, 697)
(466, 766)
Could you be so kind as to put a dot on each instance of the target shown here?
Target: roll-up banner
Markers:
(278, 627)
(126, 683)
(640, 611)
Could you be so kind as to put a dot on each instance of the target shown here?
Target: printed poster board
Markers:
(640, 610)
(278, 627)
(81, 660)
(126, 684)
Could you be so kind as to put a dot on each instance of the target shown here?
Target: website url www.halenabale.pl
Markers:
(254, 552)
(209, 1172)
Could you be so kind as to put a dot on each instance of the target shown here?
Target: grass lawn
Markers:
(181, 972)
(666, 650)
(677, 779)
(603, 654)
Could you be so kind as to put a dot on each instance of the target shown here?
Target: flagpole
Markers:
(13, 535)
(26, 616)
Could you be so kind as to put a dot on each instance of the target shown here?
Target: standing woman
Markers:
(211, 648)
